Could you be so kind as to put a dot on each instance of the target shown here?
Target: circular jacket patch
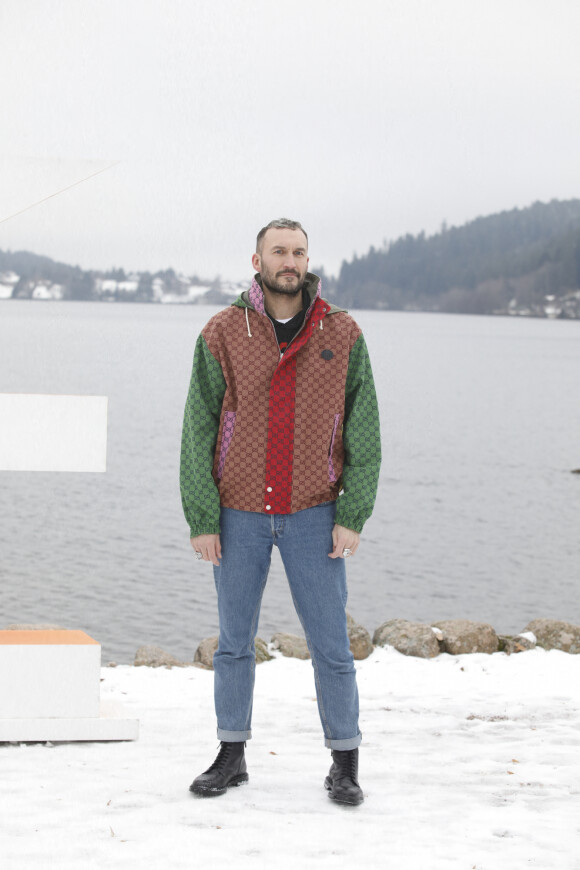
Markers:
(327, 354)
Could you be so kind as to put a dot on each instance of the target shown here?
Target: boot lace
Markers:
(221, 758)
(347, 765)
(352, 766)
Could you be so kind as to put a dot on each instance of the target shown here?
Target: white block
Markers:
(53, 433)
(48, 674)
(50, 686)
(110, 725)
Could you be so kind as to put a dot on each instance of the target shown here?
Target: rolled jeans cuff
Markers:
(234, 736)
(344, 745)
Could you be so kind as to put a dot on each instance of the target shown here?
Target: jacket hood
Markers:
(254, 297)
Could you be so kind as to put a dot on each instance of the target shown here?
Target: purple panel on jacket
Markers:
(331, 471)
(227, 432)
(256, 297)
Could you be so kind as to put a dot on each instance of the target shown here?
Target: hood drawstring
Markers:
(248, 323)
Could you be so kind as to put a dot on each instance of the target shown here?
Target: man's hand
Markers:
(209, 546)
(343, 539)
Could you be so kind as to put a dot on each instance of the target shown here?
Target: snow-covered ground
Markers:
(467, 762)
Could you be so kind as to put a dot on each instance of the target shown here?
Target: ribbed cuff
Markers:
(349, 522)
(211, 529)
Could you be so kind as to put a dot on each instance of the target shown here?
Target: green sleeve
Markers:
(362, 442)
(199, 493)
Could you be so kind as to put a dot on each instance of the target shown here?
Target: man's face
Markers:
(282, 261)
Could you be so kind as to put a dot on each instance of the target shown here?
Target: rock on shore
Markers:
(422, 640)
(556, 634)
(409, 638)
(156, 657)
(361, 645)
(462, 636)
(290, 645)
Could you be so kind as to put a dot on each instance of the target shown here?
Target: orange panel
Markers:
(46, 638)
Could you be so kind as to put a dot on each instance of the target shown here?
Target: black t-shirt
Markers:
(285, 332)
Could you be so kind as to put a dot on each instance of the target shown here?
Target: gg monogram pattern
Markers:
(199, 494)
(362, 442)
(280, 434)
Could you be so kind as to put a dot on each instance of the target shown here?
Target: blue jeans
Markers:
(318, 587)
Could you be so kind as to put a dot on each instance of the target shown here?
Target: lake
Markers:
(477, 516)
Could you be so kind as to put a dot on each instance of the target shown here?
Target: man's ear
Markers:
(256, 263)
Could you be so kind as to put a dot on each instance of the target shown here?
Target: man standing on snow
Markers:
(281, 446)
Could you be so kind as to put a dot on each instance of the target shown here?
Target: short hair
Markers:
(279, 224)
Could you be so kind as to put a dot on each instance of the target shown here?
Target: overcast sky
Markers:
(364, 120)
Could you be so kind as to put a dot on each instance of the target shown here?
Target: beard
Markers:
(276, 284)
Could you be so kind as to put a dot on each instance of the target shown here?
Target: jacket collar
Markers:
(254, 297)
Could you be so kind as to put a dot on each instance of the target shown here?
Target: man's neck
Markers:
(280, 306)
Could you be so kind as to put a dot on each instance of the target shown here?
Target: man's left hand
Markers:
(344, 539)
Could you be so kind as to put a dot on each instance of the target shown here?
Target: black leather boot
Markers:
(228, 769)
(342, 780)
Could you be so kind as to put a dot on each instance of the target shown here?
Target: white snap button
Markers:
(268, 507)
(269, 489)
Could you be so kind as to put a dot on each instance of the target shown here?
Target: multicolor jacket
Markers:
(279, 433)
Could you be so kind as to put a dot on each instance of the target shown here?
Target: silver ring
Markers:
(198, 555)
(347, 552)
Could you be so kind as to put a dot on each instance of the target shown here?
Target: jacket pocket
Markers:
(227, 434)
(331, 471)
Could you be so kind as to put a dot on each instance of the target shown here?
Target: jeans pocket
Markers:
(227, 435)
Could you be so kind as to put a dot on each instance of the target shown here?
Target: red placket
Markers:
(282, 401)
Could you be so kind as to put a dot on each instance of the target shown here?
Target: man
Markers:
(281, 418)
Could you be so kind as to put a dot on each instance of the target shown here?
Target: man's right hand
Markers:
(209, 546)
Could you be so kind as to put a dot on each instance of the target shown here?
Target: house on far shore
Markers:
(105, 286)
(8, 281)
(46, 290)
(129, 286)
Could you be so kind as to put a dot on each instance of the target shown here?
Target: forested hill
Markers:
(505, 263)
(524, 261)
